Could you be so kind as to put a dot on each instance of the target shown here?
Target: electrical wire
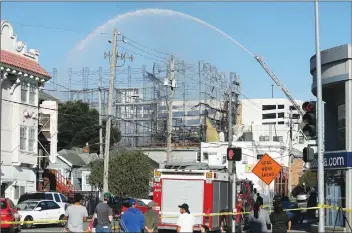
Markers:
(146, 46)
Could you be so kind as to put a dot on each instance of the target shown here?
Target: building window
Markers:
(19, 190)
(281, 115)
(292, 108)
(31, 139)
(341, 117)
(268, 107)
(281, 123)
(278, 138)
(261, 138)
(32, 94)
(205, 156)
(281, 106)
(269, 116)
(24, 92)
(266, 138)
(296, 116)
(23, 138)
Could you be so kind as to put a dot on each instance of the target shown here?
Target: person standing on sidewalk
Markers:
(279, 219)
(185, 222)
(76, 215)
(151, 219)
(132, 220)
(259, 221)
(103, 215)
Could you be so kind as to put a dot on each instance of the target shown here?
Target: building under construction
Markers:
(199, 108)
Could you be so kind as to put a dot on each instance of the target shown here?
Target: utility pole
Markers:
(171, 97)
(321, 225)
(290, 156)
(231, 164)
(101, 152)
(113, 62)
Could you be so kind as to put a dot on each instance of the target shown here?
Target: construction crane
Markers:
(279, 84)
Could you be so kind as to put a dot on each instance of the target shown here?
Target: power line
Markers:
(146, 51)
(146, 46)
(142, 55)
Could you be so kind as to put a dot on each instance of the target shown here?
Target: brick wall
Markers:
(297, 171)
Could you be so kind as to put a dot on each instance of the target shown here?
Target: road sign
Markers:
(267, 169)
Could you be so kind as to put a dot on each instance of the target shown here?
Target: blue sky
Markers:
(281, 32)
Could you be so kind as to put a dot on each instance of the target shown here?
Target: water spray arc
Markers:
(145, 12)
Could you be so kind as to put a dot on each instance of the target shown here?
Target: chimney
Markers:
(86, 148)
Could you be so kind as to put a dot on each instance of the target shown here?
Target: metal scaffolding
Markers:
(140, 100)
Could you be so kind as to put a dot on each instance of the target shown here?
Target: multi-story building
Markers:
(268, 111)
(21, 78)
(336, 75)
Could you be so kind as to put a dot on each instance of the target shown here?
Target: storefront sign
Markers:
(338, 159)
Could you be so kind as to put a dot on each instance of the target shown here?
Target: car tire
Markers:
(28, 225)
(62, 224)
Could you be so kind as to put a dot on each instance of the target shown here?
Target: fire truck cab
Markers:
(204, 188)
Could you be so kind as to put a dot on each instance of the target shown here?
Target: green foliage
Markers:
(130, 174)
(309, 178)
(78, 124)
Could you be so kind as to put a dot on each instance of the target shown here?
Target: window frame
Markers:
(23, 137)
(31, 140)
(32, 94)
(24, 88)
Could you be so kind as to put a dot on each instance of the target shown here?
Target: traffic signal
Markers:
(309, 119)
(199, 157)
(308, 154)
(234, 154)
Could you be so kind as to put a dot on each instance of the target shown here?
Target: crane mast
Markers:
(279, 84)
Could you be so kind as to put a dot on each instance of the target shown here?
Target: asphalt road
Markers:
(52, 228)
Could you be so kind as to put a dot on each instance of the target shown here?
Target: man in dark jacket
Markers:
(151, 219)
(133, 219)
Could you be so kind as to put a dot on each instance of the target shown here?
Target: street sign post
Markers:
(267, 169)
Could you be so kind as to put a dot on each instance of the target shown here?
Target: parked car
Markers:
(139, 205)
(32, 210)
(9, 213)
(59, 198)
(120, 205)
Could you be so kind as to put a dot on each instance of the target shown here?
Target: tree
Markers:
(130, 174)
(79, 124)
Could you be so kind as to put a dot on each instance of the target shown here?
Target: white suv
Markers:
(59, 198)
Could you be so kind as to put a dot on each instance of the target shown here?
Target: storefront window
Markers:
(341, 116)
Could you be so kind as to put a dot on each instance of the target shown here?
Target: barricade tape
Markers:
(196, 215)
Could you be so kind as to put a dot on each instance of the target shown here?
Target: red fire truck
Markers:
(204, 188)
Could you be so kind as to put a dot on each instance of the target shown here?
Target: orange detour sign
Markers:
(267, 169)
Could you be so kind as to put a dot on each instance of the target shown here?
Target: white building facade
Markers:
(21, 77)
(265, 129)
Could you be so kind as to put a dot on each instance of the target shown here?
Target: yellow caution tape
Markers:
(320, 206)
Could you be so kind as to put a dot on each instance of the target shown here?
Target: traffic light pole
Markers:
(321, 226)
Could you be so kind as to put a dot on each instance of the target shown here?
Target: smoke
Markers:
(83, 44)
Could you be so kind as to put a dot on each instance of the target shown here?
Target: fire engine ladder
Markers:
(194, 166)
(279, 84)
(282, 87)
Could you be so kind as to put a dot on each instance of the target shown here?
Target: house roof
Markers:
(46, 96)
(72, 157)
(21, 62)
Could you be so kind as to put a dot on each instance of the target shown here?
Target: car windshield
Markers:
(27, 205)
(31, 196)
(3, 205)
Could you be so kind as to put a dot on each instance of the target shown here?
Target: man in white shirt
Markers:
(185, 222)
